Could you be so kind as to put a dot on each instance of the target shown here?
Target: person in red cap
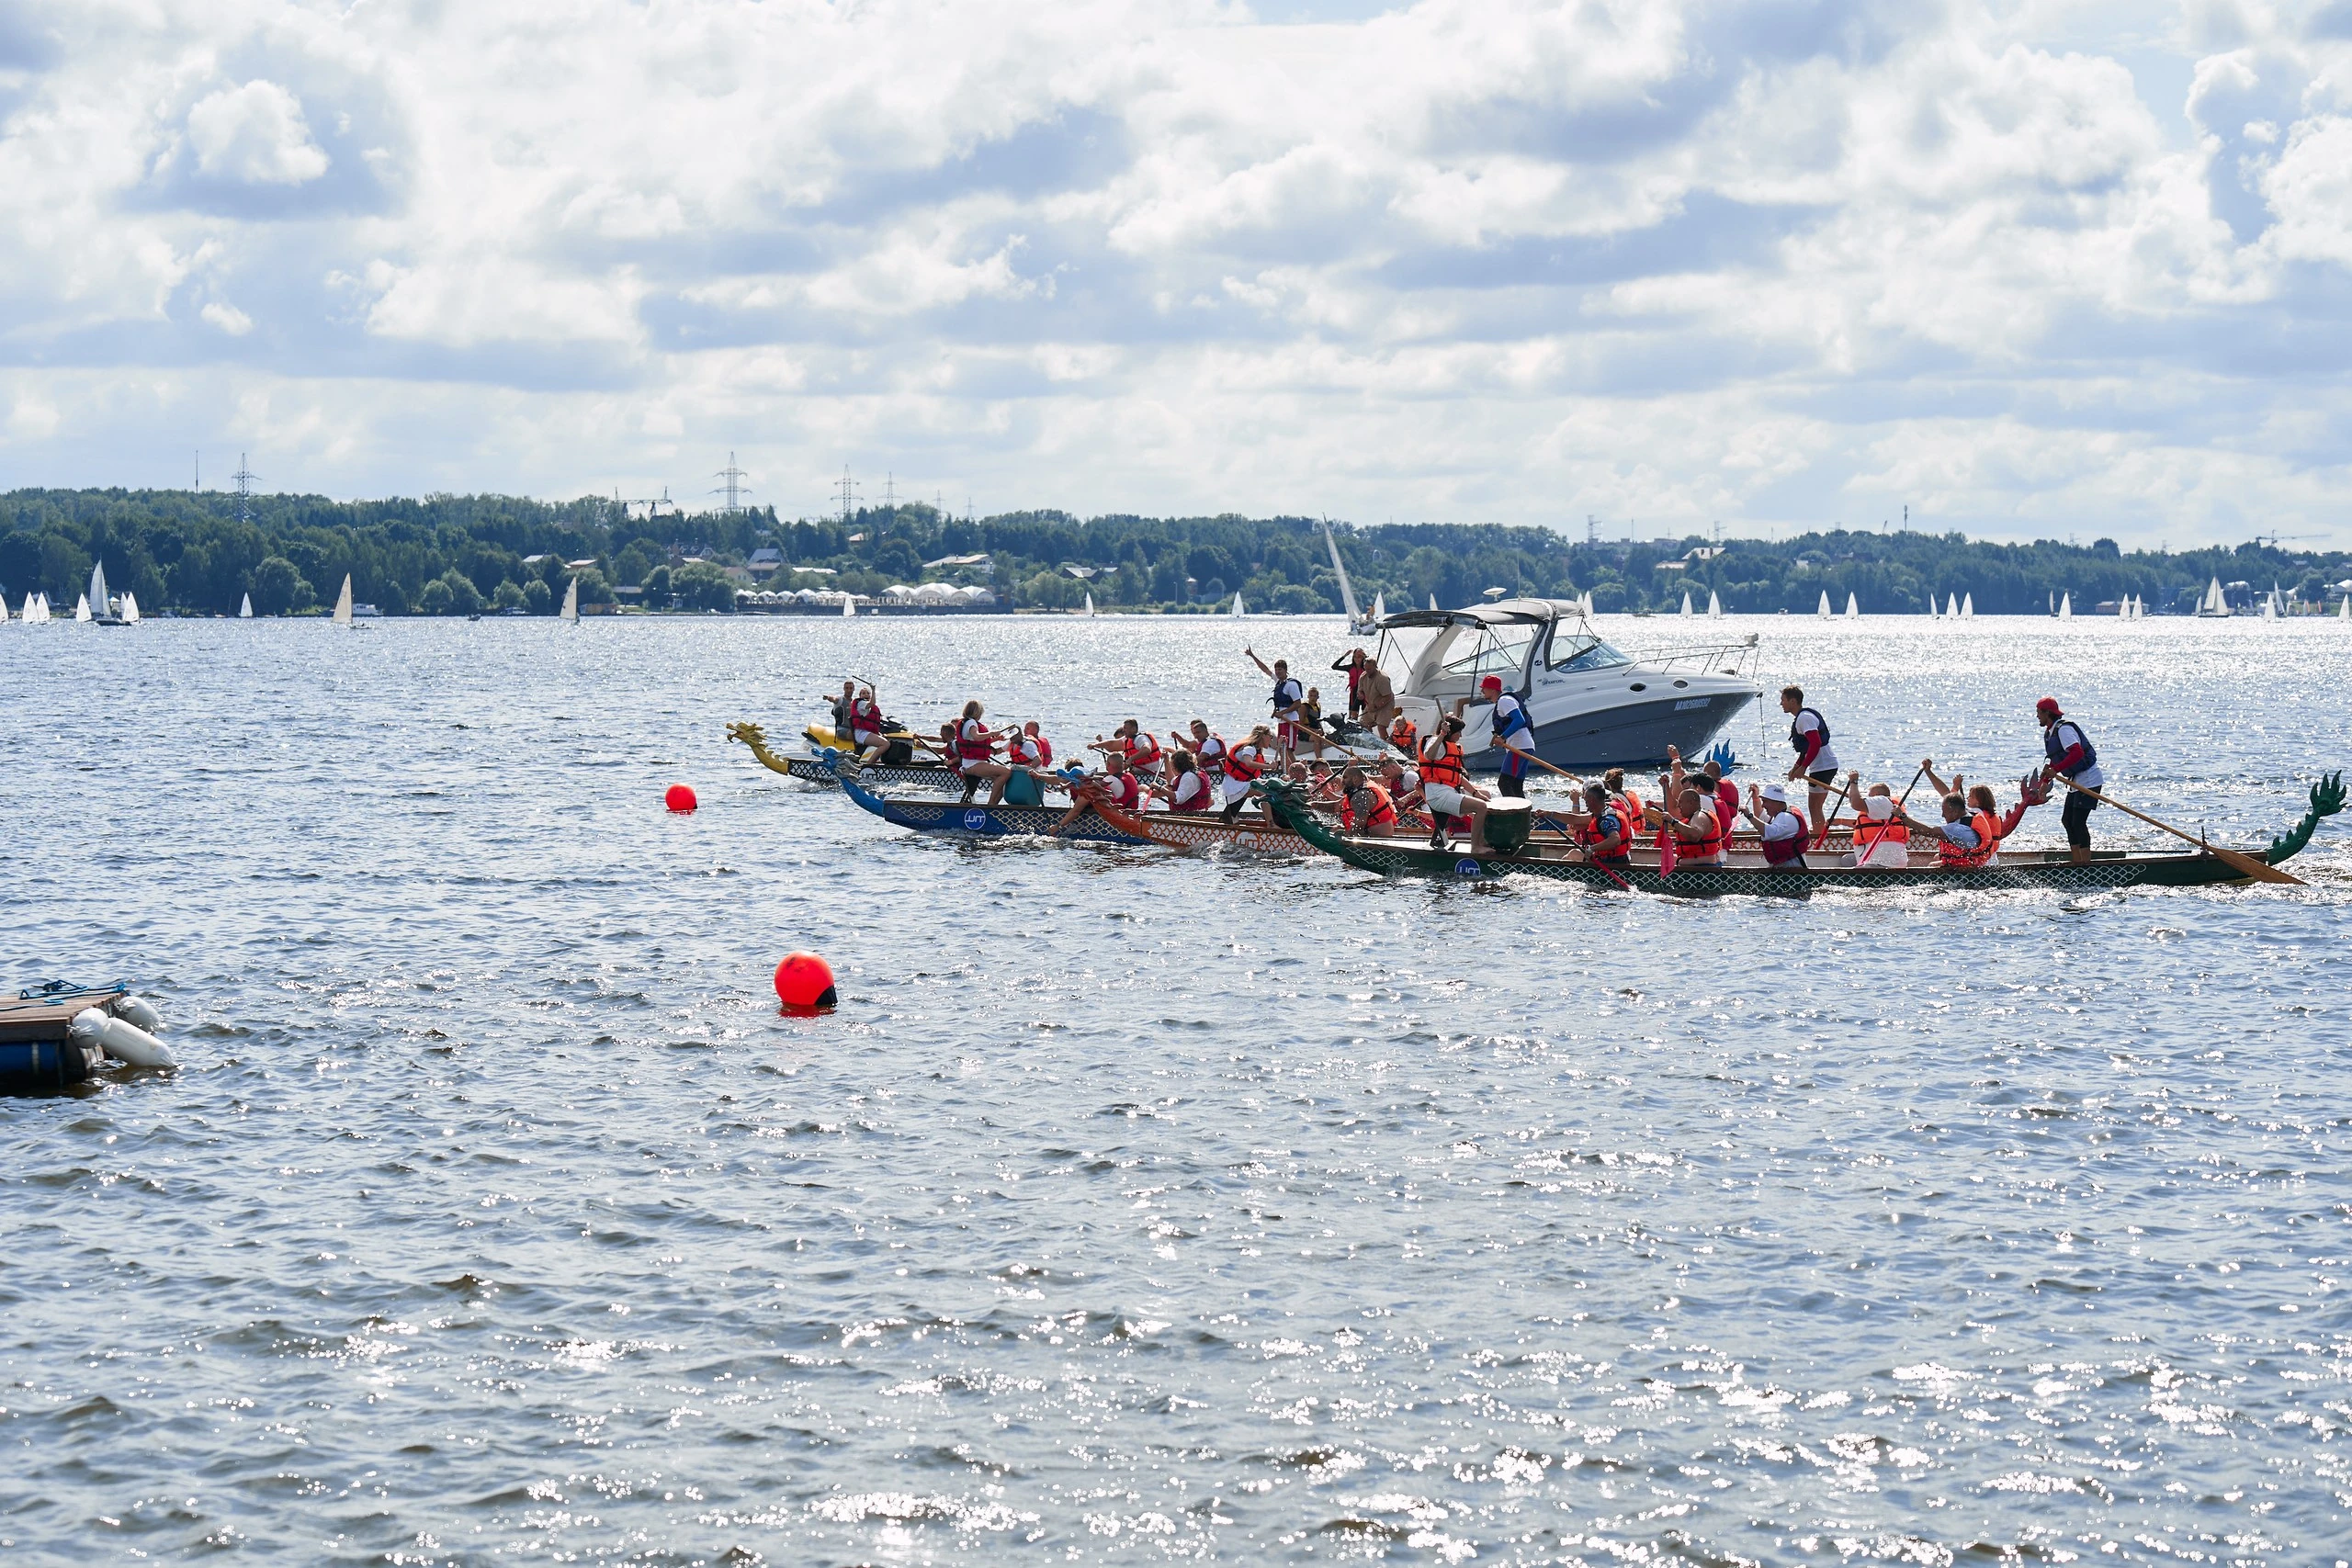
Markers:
(2073, 757)
(1514, 734)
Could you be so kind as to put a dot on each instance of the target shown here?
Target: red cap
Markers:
(2049, 707)
(1491, 683)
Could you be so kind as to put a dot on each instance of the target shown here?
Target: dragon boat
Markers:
(1205, 830)
(2015, 869)
(816, 767)
(936, 816)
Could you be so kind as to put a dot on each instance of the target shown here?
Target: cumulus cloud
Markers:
(1762, 260)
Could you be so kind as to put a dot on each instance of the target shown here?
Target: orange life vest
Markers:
(1869, 836)
(1445, 770)
(1706, 849)
(1988, 843)
(1024, 751)
(1590, 835)
(1244, 763)
(1382, 812)
(1143, 752)
(1045, 748)
(1628, 806)
(1405, 738)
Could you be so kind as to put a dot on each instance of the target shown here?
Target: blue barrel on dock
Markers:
(44, 1067)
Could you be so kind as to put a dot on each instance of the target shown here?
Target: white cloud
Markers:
(254, 134)
(1486, 259)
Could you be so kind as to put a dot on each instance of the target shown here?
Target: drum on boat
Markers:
(1508, 824)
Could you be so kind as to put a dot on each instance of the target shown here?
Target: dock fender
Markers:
(138, 1011)
(121, 1039)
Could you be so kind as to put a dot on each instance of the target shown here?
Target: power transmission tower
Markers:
(244, 478)
(1592, 530)
(734, 489)
(846, 492)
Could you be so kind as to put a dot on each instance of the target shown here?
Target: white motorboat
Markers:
(1592, 706)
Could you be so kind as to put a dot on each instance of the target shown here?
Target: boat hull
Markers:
(986, 821)
(1632, 734)
(1198, 830)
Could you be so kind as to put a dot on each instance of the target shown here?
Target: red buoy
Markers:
(804, 983)
(680, 798)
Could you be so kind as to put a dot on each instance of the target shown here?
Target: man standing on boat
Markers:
(1514, 734)
(1448, 790)
(1816, 764)
(1378, 696)
(2073, 758)
(1288, 695)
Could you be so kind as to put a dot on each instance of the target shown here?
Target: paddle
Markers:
(2243, 864)
(1570, 833)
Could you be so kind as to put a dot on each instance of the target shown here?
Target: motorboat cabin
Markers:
(1593, 707)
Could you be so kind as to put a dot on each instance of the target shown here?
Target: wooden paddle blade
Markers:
(2259, 870)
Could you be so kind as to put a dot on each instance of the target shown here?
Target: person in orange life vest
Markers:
(1117, 785)
(1881, 835)
(1402, 784)
(1603, 836)
(1031, 733)
(1447, 788)
(1405, 737)
(1367, 805)
(1210, 749)
(1700, 835)
(1143, 749)
(2072, 754)
(1964, 841)
(975, 752)
(1710, 777)
(1288, 694)
(1629, 805)
(1025, 752)
(1782, 831)
(1191, 791)
(1243, 764)
(1994, 825)
(1816, 764)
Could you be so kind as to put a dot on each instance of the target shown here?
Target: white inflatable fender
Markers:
(139, 1011)
(120, 1038)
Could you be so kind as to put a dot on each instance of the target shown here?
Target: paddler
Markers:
(1782, 830)
(975, 752)
(1710, 777)
(1210, 749)
(1447, 788)
(1985, 818)
(1142, 748)
(1514, 734)
(1031, 735)
(865, 726)
(1190, 790)
(1243, 763)
(1402, 784)
(1816, 764)
(1700, 835)
(1288, 694)
(1367, 805)
(2073, 757)
(1405, 737)
(1603, 836)
(1881, 834)
(1628, 804)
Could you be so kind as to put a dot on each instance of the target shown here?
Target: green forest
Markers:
(201, 554)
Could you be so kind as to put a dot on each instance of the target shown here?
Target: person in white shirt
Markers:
(1816, 764)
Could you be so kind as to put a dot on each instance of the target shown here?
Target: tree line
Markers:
(203, 553)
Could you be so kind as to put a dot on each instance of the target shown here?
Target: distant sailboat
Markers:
(1951, 609)
(2215, 601)
(1238, 611)
(1686, 606)
(1967, 607)
(343, 602)
(1584, 602)
(1715, 606)
(245, 608)
(1823, 610)
(1379, 608)
(1090, 605)
(1853, 608)
(571, 611)
(1432, 601)
(2343, 608)
(849, 601)
(81, 608)
(2270, 605)
(100, 602)
(130, 608)
(2066, 606)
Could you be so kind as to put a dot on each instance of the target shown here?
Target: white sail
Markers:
(2216, 603)
(1239, 613)
(81, 608)
(130, 608)
(2066, 606)
(1853, 607)
(571, 611)
(1686, 606)
(1967, 607)
(1090, 605)
(1951, 608)
(343, 602)
(2343, 608)
(99, 608)
(849, 603)
(245, 608)
(1715, 606)
(1340, 570)
(1432, 601)
(1379, 608)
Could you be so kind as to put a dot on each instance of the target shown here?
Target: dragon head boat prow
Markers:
(2328, 799)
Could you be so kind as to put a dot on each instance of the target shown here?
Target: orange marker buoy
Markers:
(804, 983)
(680, 798)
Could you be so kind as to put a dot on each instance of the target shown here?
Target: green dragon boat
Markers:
(2015, 869)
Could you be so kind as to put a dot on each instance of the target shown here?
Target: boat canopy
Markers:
(1502, 613)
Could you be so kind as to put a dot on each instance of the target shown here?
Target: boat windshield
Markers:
(1501, 650)
(1582, 650)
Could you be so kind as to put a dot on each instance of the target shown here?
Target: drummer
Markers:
(1447, 788)
(1243, 764)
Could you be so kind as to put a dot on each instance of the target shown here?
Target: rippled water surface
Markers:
(1139, 1206)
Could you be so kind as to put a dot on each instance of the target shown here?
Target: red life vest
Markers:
(1143, 752)
(1244, 763)
(1382, 812)
(1445, 770)
(1024, 751)
(1045, 749)
(1191, 794)
(1629, 811)
(973, 742)
(1988, 843)
(864, 718)
(1726, 802)
(1124, 791)
(1212, 753)
(1590, 835)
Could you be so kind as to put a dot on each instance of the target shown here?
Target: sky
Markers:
(2032, 270)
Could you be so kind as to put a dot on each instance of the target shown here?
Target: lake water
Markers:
(1134, 1206)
